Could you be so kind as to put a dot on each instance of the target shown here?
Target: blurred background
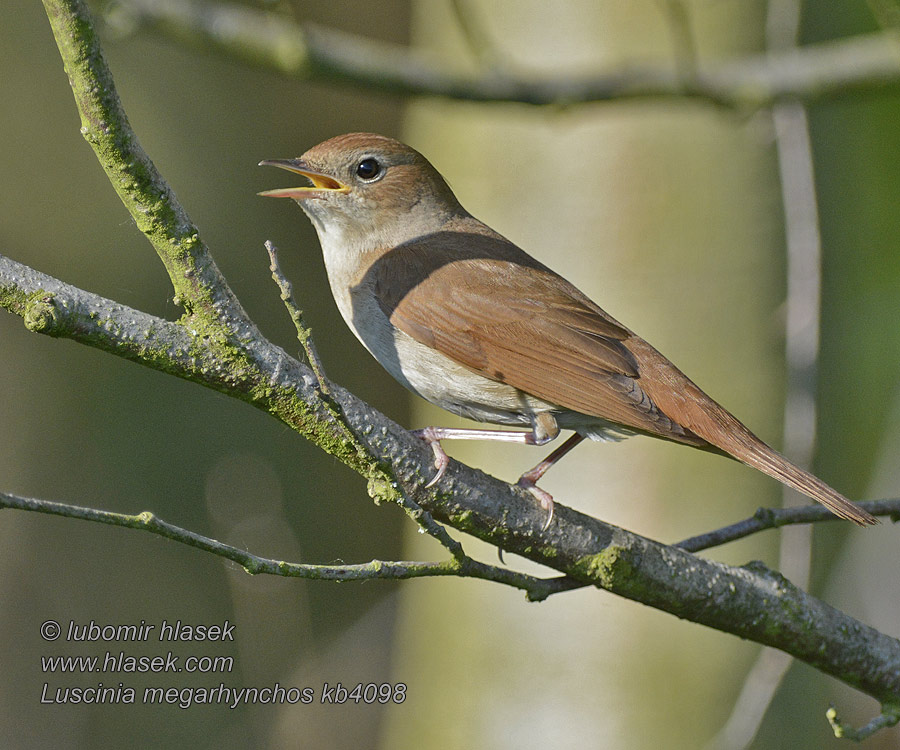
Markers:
(668, 213)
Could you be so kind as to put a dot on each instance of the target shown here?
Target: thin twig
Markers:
(304, 335)
(537, 589)
(304, 332)
(196, 280)
(773, 518)
(889, 717)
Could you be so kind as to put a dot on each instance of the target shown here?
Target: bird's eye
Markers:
(368, 169)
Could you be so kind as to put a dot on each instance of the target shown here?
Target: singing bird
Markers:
(469, 321)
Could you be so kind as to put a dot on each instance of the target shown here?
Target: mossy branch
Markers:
(748, 601)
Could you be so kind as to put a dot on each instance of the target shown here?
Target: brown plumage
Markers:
(471, 322)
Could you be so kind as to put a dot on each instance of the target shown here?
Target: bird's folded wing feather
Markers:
(485, 304)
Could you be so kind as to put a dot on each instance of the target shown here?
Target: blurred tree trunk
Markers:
(668, 216)
(857, 173)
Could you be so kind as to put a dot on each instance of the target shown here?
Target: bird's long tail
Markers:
(728, 434)
(688, 406)
(761, 456)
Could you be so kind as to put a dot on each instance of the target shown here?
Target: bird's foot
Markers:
(543, 497)
(441, 460)
(528, 481)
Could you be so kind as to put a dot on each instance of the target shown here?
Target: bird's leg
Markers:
(543, 430)
(434, 435)
(530, 478)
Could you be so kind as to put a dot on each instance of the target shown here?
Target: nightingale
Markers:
(467, 320)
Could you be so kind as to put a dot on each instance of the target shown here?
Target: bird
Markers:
(467, 320)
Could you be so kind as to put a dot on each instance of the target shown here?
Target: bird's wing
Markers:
(484, 303)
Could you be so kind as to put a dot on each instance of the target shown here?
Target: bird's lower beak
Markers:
(321, 183)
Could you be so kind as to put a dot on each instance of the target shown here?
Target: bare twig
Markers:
(304, 332)
(537, 589)
(197, 282)
(773, 518)
(888, 718)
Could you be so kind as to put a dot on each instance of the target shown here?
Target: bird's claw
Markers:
(543, 497)
(441, 459)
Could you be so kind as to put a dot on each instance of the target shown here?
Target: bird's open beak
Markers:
(321, 183)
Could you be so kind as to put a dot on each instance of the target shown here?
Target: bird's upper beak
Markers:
(321, 183)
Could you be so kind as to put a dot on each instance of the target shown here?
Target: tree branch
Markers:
(773, 518)
(197, 282)
(888, 718)
(750, 601)
(215, 346)
(537, 589)
(862, 63)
